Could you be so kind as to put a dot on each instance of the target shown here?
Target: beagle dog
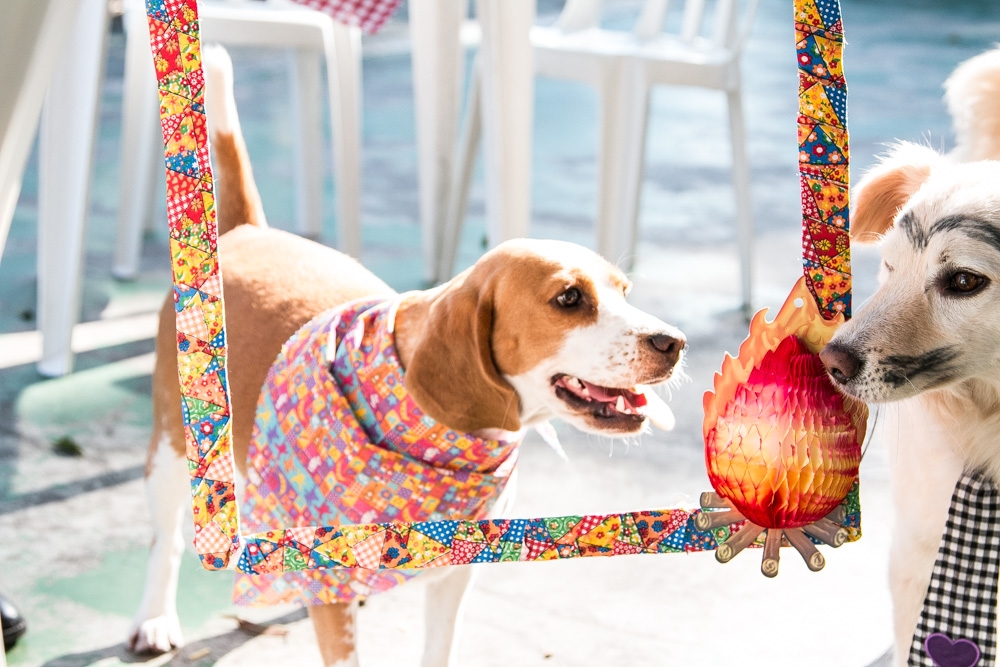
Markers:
(533, 331)
(927, 344)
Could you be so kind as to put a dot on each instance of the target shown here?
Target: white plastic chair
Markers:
(68, 121)
(308, 35)
(623, 66)
(437, 33)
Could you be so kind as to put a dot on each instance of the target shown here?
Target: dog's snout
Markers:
(841, 362)
(670, 346)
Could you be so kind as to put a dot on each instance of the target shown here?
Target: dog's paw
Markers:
(155, 635)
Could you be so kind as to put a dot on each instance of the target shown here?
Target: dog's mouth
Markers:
(611, 406)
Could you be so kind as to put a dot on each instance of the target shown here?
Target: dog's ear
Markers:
(451, 372)
(887, 187)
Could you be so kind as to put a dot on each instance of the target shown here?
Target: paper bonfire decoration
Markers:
(781, 447)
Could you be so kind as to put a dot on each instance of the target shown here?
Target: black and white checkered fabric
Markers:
(962, 596)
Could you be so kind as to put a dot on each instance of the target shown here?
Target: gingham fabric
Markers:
(957, 626)
(338, 441)
(369, 15)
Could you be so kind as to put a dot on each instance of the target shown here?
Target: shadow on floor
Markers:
(190, 655)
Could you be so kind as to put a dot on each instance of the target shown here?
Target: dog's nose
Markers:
(670, 346)
(841, 362)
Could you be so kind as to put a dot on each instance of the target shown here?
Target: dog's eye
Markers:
(964, 282)
(569, 298)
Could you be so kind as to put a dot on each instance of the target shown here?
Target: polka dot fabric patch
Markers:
(198, 299)
(823, 155)
(407, 543)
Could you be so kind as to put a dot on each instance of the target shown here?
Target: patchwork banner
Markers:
(824, 154)
(201, 345)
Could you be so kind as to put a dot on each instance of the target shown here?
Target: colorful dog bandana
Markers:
(338, 441)
(397, 543)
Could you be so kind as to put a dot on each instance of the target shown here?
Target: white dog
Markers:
(928, 341)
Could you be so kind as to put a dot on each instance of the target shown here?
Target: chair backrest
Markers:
(725, 27)
(579, 15)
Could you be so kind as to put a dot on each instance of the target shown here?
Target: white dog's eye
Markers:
(569, 298)
(963, 282)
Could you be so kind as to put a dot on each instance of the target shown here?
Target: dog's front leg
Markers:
(925, 470)
(443, 616)
(335, 626)
(156, 628)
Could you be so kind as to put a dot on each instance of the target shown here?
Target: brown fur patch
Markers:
(498, 318)
(237, 199)
(532, 327)
(886, 188)
(274, 283)
(335, 631)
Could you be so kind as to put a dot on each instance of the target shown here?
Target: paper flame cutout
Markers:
(782, 445)
(784, 451)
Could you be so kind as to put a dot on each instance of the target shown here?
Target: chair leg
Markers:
(461, 179)
(437, 79)
(508, 81)
(66, 141)
(624, 113)
(34, 30)
(305, 94)
(744, 205)
(142, 146)
(343, 62)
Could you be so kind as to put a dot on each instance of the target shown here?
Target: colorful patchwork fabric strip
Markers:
(412, 546)
(201, 339)
(198, 298)
(823, 155)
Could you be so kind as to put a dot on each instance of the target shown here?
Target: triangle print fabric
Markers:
(823, 154)
(412, 546)
(201, 339)
(406, 545)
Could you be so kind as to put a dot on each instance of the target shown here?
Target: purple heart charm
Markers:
(947, 653)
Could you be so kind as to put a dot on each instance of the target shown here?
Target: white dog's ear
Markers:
(887, 187)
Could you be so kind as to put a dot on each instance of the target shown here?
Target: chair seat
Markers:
(621, 43)
(669, 60)
(262, 24)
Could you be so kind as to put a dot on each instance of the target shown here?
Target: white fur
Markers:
(606, 353)
(220, 103)
(156, 627)
(935, 424)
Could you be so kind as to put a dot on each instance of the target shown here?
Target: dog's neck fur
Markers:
(971, 412)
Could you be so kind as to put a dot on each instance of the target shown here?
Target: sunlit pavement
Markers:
(74, 530)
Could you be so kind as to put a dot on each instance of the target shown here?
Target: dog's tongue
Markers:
(610, 395)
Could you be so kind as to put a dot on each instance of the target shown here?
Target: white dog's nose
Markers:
(841, 362)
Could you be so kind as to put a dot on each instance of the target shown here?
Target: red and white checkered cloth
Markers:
(369, 15)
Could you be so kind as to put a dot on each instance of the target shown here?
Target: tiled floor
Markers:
(73, 530)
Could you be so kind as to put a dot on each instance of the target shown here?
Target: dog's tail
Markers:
(973, 96)
(236, 195)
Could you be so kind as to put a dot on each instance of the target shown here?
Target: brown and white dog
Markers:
(535, 330)
(928, 341)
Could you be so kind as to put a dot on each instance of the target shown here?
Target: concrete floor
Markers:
(74, 530)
